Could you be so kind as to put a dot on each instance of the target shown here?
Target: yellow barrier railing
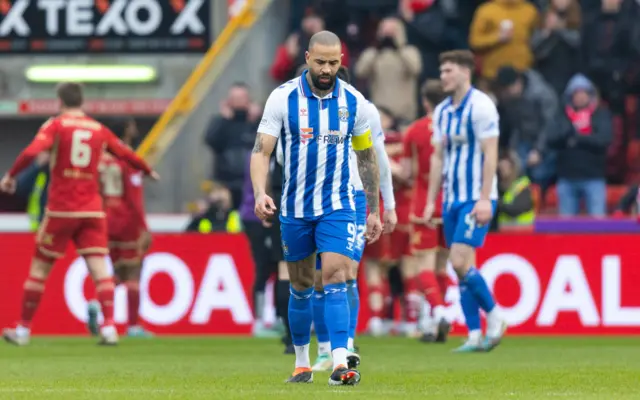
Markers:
(182, 101)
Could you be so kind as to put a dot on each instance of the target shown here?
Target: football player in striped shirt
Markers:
(319, 121)
(465, 138)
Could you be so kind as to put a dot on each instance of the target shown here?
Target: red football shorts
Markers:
(424, 238)
(89, 235)
(398, 244)
(124, 241)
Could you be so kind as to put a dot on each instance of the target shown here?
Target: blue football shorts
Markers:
(334, 232)
(361, 228)
(460, 227)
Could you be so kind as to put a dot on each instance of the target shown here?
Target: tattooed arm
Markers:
(260, 157)
(370, 176)
(268, 133)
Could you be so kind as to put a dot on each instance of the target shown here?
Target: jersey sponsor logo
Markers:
(459, 139)
(306, 134)
(303, 112)
(343, 114)
(332, 137)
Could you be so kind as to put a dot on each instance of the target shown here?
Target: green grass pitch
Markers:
(392, 368)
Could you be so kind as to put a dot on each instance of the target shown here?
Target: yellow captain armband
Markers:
(362, 142)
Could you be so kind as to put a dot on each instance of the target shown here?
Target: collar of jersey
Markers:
(306, 90)
(462, 104)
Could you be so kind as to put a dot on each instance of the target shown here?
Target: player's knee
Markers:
(335, 270)
(459, 262)
(302, 279)
(41, 267)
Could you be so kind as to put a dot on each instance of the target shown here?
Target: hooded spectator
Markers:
(556, 44)
(528, 108)
(392, 69)
(500, 34)
(582, 136)
(291, 54)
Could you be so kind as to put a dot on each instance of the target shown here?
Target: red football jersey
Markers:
(418, 149)
(123, 192)
(77, 143)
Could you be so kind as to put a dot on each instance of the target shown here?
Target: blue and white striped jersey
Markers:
(316, 136)
(460, 130)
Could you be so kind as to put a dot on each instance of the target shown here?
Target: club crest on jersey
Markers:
(306, 134)
(285, 248)
(343, 114)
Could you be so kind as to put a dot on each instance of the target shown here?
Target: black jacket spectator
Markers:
(556, 46)
(582, 134)
(230, 136)
(529, 107)
(426, 30)
(607, 49)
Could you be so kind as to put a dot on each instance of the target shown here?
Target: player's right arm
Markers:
(436, 164)
(120, 150)
(266, 140)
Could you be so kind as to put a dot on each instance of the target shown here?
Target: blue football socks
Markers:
(470, 307)
(318, 317)
(300, 316)
(337, 312)
(478, 287)
(354, 308)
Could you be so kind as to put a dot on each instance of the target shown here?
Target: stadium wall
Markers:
(546, 284)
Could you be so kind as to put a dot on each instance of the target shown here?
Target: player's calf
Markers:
(33, 289)
(474, 294)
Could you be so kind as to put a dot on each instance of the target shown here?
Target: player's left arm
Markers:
(42, 142)
(362, 143)
(386, 182)
(486, 122)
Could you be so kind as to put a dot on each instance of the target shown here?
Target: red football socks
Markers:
(376, 301)
(33, 289)
(104, 290)
(133, 302)
(443, 283)
(412, 300)
(430, 288)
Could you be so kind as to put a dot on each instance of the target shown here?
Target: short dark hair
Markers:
(344, 74)
(70, 94)
(463, 58)
(432, 91)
